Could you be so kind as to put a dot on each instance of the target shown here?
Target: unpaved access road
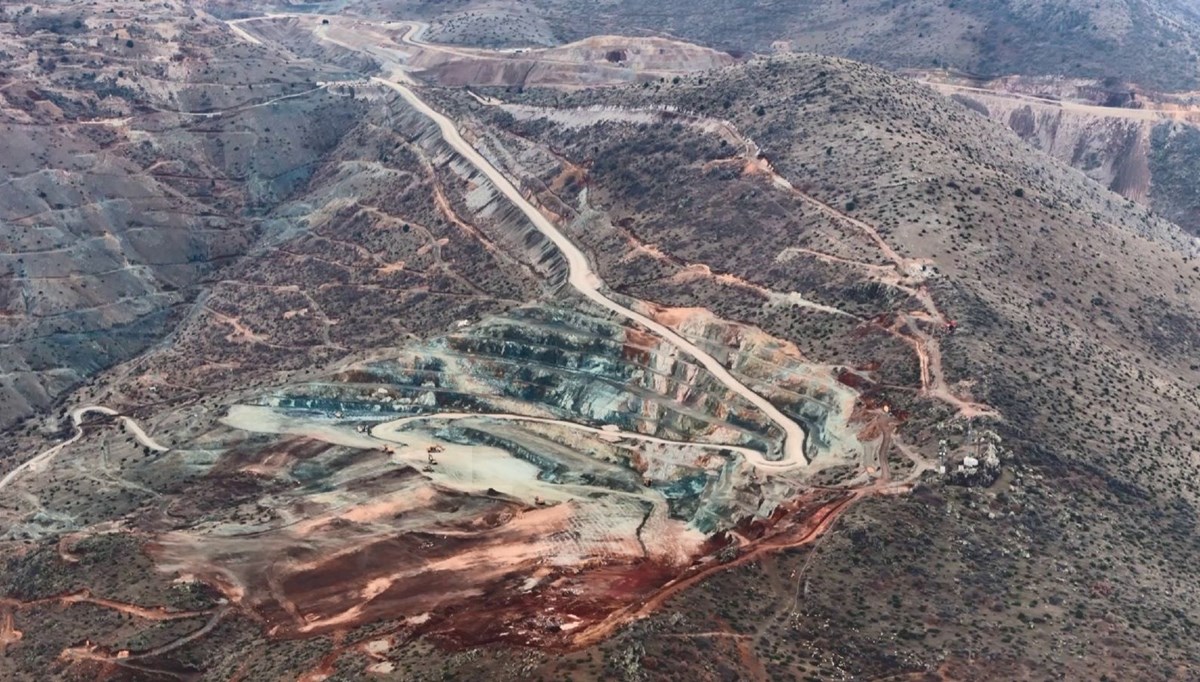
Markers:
(583, 279)
(42, 459)
(392, 431)
(581, 276)
(1179, 113)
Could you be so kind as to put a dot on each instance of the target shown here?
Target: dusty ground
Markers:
(135, 163)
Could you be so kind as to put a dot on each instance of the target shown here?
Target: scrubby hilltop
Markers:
(1152, 42)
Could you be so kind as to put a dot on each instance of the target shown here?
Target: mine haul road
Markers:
(392, 431)
(584, 280)
(581, 276)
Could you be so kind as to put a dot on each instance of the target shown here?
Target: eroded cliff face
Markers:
(1111, 149)
(1136, 144)
(1174, 157)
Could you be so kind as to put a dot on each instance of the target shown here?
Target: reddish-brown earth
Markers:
(474, 576)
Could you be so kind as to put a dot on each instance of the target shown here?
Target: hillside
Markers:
(1151, 42)
(1139, 144)
(1073, 303)
(141, 149)
(793, 369)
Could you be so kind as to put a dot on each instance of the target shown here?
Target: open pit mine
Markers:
(547, 458)
(553, 468)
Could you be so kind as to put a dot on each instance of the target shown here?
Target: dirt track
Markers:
(581, 276)
(585, 280)
(917, 329)
(43, 458)
(391, 431)
(907, 278)
(1149, 114)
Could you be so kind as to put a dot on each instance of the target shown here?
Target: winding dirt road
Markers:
(581, 276)
(903, 273)
(39, 461)
(391, 431)
(584, 280)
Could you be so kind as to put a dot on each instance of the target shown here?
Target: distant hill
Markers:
(1152, 42)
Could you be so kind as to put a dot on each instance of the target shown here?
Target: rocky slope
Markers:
(141, 150)
(1137, 144)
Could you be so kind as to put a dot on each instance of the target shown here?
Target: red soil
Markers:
(476, 575)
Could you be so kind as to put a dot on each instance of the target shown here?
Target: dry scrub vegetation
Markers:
(1078, 322)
